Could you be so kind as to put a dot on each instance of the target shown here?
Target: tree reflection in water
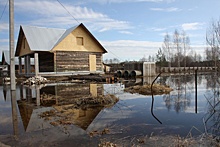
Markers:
(212, 117)
(181, 97)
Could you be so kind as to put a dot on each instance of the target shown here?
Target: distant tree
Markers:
(185, 46)
(115, 60)
(199, 58)
(106, 61)
(177, 49)
(111, 61)
(213, 41)
(167, 48)
(149, 58)
(160, 58)
(177, 46)
(143, 59)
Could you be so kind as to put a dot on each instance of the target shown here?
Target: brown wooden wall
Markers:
(75, 61)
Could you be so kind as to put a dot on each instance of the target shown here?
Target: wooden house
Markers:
(6, 60)
(5, 64)
(59, 51)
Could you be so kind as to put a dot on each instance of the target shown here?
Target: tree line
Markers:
(177, 52)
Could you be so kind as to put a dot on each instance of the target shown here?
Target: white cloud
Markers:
(171, 9)
(126, 32)
(4, 40)
(158, 29)
(130, 49)
(192, 26)
(129, 1)
(53, 14)
(4, 26)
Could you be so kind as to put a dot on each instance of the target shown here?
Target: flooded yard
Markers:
(54, 114)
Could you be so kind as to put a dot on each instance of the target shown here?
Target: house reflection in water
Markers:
(34, 101)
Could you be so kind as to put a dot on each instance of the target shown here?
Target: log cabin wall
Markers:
(75, 61)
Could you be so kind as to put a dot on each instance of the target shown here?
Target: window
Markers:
(79, 41)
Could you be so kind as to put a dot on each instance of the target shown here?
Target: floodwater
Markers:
(182, 112)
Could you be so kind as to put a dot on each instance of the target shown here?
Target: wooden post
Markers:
(36, 64)
(20, 65)
(38, 96)
(11, 32)
(196, 90)
(25, 65)
(28, 65)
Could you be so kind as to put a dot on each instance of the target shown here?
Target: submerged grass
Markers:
(139, 140)
(146, 89)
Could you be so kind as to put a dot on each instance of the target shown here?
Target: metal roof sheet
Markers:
(42, 39)
(6, 55)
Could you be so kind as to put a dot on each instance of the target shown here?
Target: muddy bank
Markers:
(146, 89)
(161, 141)
(109, 139)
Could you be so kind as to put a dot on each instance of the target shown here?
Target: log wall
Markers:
(75, 61)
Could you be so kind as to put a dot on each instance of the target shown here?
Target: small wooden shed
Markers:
(59, 51)
(6, 62)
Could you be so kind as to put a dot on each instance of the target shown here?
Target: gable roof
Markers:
(67, 32)
(6, 58)
(45, 39)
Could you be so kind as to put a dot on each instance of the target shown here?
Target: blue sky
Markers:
(128, 29)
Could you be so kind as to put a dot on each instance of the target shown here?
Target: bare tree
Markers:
(143, 59)
(213, 42)
(167, 48)
(186, 45)
(177, 45)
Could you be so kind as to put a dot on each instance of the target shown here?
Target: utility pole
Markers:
(11, 44)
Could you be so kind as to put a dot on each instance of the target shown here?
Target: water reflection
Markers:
(212, 117)
(128, 117)
(180, 100)
(14, 113)
(33, 102)
(5, 91)
(181, 97)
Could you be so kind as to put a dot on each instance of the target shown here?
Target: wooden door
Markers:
(92, 62)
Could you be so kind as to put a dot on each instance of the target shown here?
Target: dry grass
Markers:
(146, 89)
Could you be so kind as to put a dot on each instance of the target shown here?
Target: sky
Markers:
(127, 29)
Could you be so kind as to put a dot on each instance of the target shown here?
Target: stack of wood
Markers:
(35, 80)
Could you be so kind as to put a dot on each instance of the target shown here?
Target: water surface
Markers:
(178, 113)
